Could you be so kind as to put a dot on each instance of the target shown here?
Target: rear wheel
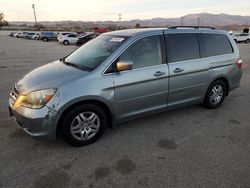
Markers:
(215, 94)
(66, 42)
(83, 125)
(248, 40)
(45, 39)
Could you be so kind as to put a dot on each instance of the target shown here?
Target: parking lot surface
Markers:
(187, 147)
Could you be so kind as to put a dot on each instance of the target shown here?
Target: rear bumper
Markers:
(39, 123)
(234, 81)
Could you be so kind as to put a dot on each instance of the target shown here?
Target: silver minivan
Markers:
(123, 75)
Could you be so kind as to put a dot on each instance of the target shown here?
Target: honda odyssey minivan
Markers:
(123, 75)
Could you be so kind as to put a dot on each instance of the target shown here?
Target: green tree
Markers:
(2, 21)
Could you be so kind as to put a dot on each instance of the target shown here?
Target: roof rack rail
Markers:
(194, 27)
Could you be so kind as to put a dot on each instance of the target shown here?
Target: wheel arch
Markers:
(79, 103)
(223, 78)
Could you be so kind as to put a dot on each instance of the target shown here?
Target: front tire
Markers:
(215, 94)
(83, 125)
(45, 39)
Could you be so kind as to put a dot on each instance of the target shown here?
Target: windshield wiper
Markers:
(81, 67)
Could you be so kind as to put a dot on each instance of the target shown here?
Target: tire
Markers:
(66, 42)
(45, 39)
(235, 41)
(79, 123)
(248, 40)
(27, 38)
(215, 94)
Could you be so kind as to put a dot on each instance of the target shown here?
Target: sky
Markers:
(97, 10)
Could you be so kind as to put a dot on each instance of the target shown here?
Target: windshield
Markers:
(95, 52)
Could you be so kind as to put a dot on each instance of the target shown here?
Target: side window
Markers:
(182, 47)
(144, 52)
(214, 44)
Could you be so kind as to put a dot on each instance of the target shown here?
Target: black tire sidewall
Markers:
(66, 123)
(207, 102)
(66, 42)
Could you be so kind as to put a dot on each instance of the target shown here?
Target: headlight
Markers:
(36, 99)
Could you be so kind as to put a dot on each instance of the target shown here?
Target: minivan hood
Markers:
(51, 75)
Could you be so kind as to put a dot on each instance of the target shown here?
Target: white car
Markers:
(61, 34)
(242, 37)
(18, 35)
(68, 39)
(36, 36)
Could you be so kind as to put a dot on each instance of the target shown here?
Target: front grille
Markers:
(14, 95)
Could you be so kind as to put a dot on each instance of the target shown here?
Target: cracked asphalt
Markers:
(187, 147)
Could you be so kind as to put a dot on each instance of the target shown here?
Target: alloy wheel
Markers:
(85, 126)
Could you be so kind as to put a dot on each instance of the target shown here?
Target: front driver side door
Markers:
(145, 87)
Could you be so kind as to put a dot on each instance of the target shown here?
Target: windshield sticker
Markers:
(116, 39)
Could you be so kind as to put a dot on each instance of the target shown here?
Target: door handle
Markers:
(159, 73)
(177, 70)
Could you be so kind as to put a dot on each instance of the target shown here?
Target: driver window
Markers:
(144, 52)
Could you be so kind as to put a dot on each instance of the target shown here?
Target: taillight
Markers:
(239, 63)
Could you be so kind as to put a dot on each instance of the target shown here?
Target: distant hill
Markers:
(217, 20)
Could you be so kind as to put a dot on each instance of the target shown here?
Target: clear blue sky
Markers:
(86, 10)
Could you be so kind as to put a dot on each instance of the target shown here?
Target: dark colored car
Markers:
(47, 36)
(85, 38)
(12, 34)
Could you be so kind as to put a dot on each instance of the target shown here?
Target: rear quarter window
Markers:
(214, 45)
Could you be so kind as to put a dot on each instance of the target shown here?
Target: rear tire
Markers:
(45, 39)
(66, 42)
(215, 94)
(248, 40)
(83, 125)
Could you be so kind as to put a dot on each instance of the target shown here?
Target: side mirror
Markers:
(124, 65)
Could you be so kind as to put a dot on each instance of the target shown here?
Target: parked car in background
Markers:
(68, 39)
(36, 36)
(28, 36)
(122, 75)
(12, 34)
(24, 34)
(242, 37)
(18, 35)
(48, 36)
(85, 38)
(61, 34)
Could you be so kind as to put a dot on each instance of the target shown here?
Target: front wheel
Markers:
(248, 40)
(83, 125)
(215, 94)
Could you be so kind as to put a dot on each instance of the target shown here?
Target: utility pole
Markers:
(199, 19)
(120, 18)
(182, 19)
(33, 7)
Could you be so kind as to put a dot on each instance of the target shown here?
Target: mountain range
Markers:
(204, 19)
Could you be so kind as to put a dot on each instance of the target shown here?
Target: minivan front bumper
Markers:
(39, 123)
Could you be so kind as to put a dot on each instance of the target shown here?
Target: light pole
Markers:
(120, 18)
(33, 6)
(182, 18)
(199, 19)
